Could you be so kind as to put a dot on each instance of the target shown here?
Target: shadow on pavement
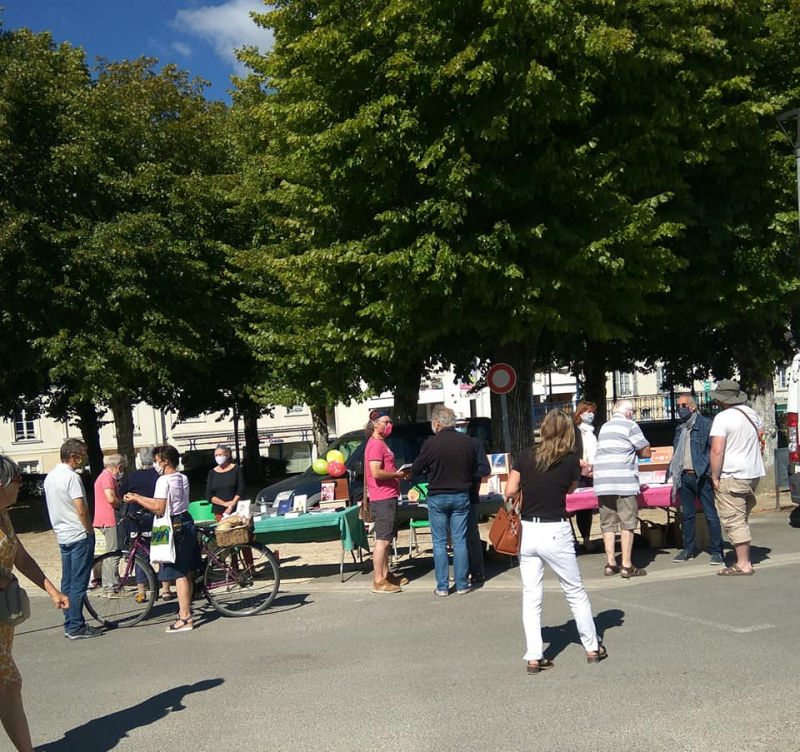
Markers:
(759, 553)
(558, 638)
(106, 733)
(794, 517)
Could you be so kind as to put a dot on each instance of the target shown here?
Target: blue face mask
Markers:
(461, 429)
(684, 413)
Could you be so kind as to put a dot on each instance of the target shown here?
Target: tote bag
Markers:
(506, 528)
(162, 539)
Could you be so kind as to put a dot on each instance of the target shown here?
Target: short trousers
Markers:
(385, 514)
(618, 513)
(734, 501)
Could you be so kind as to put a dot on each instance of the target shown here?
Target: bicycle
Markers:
(240, 580)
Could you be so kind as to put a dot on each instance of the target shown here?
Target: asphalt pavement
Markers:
(697, 662)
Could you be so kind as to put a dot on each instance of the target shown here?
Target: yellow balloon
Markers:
(334, 456)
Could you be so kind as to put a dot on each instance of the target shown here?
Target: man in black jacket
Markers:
(450, 463)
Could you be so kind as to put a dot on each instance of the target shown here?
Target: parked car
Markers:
(405, 441)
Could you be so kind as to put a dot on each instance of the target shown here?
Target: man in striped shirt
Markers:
(616, 485)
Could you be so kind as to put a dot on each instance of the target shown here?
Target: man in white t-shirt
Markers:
(736, 466)
(69, 516)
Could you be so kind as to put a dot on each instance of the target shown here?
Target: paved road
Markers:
(697, 662)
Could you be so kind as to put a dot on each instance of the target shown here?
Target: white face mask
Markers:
(221, 459)
(588, 418)
(158, 468)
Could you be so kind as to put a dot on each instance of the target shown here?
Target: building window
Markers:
(294, 409)
(31, 466)
(782, 377)
(660, 379)
(625, 385)
(24, 426)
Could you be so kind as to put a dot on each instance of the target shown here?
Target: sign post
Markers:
(502, 378)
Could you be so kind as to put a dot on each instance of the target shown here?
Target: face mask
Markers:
(158, 469)
(588, 418)
(433, 428)
(221, 460)
(684, 413)
(386, 431)
(461, 429)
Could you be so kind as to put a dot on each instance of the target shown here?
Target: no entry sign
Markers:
(502, 378)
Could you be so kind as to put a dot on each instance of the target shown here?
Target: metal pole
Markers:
(506, 426)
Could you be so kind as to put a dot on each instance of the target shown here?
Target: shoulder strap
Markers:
(749, 420)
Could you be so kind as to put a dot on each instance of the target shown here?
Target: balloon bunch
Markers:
(332, 465)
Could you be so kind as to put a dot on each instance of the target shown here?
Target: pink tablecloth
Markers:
(652, 496)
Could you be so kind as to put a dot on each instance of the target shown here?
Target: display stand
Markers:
(334, 494)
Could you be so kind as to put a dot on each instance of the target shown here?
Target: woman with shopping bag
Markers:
(173, 541)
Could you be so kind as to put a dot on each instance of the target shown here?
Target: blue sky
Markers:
(198, 35)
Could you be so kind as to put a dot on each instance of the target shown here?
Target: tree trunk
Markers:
(122, 409)
(319, 426)
(87, 419)
(520, 356)
(251, 466)
(406, 393)
(594, 374)
(762, 400)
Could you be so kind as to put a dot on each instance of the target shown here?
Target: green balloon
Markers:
(320, 466)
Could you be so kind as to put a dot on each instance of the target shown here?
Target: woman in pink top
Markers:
(106, 504)
(383, 488)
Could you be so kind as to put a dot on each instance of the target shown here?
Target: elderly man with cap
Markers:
(383, 488)
(736, 466)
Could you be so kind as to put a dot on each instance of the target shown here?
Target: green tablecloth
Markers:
(315, 528)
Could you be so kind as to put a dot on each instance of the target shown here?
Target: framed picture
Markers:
(327, 491)
(499, 464)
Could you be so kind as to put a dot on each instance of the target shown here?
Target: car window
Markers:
(347, 445)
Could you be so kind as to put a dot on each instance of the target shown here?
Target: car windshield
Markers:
(346, 444)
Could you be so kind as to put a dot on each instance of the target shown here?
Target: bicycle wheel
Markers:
(241, 580)
(113, 600)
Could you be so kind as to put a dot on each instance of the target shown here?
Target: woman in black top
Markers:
(225, 483)
(545, 475)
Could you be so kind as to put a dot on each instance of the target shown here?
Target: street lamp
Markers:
(792, 133)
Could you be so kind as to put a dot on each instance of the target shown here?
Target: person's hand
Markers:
(130, 498)
(715, 483)
(229, 509)
(60, 600)
(405, 475)
(5, 581)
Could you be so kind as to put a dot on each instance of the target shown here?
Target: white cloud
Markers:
(226, 27)
(182, 48)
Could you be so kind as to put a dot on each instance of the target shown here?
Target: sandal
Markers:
(543, 664)
(141, 598)
(599, 655)
(610, 570)
(735, 571)
(628, 572)
(180, 625)
(167, 596)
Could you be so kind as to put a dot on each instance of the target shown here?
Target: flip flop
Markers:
(734, 571)
(543, 664)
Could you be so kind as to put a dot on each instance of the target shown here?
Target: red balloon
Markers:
(336, 468)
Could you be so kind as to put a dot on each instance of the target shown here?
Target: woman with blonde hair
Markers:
(545, 475)
(584, 424)
(13, 554)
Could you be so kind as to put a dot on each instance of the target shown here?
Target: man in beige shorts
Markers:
(736, 466)
(616, 485)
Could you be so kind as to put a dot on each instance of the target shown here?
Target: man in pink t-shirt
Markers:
(106, 504)
(383, 488)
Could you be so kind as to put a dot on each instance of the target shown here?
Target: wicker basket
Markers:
(233, 537)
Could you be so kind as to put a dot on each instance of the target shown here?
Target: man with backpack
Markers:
(736, 466)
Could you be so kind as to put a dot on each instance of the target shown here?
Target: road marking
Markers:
(684, 617)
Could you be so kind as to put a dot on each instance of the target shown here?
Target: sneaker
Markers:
(84, 633)
(464, 592)
(395, 580)
(716, 560)
(385, 587)
(441, 593)
(683, 556)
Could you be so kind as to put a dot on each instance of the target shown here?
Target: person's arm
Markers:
(716, 456)
(644, 452)
(26, 564)
(111, 497)
(83, 515)
(420, 465)
(380, 474)
(512, 484)
(157, 506)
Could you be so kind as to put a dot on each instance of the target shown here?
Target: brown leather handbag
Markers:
(506, 530)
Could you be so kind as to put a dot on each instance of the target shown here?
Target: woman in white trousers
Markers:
(545, 475)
